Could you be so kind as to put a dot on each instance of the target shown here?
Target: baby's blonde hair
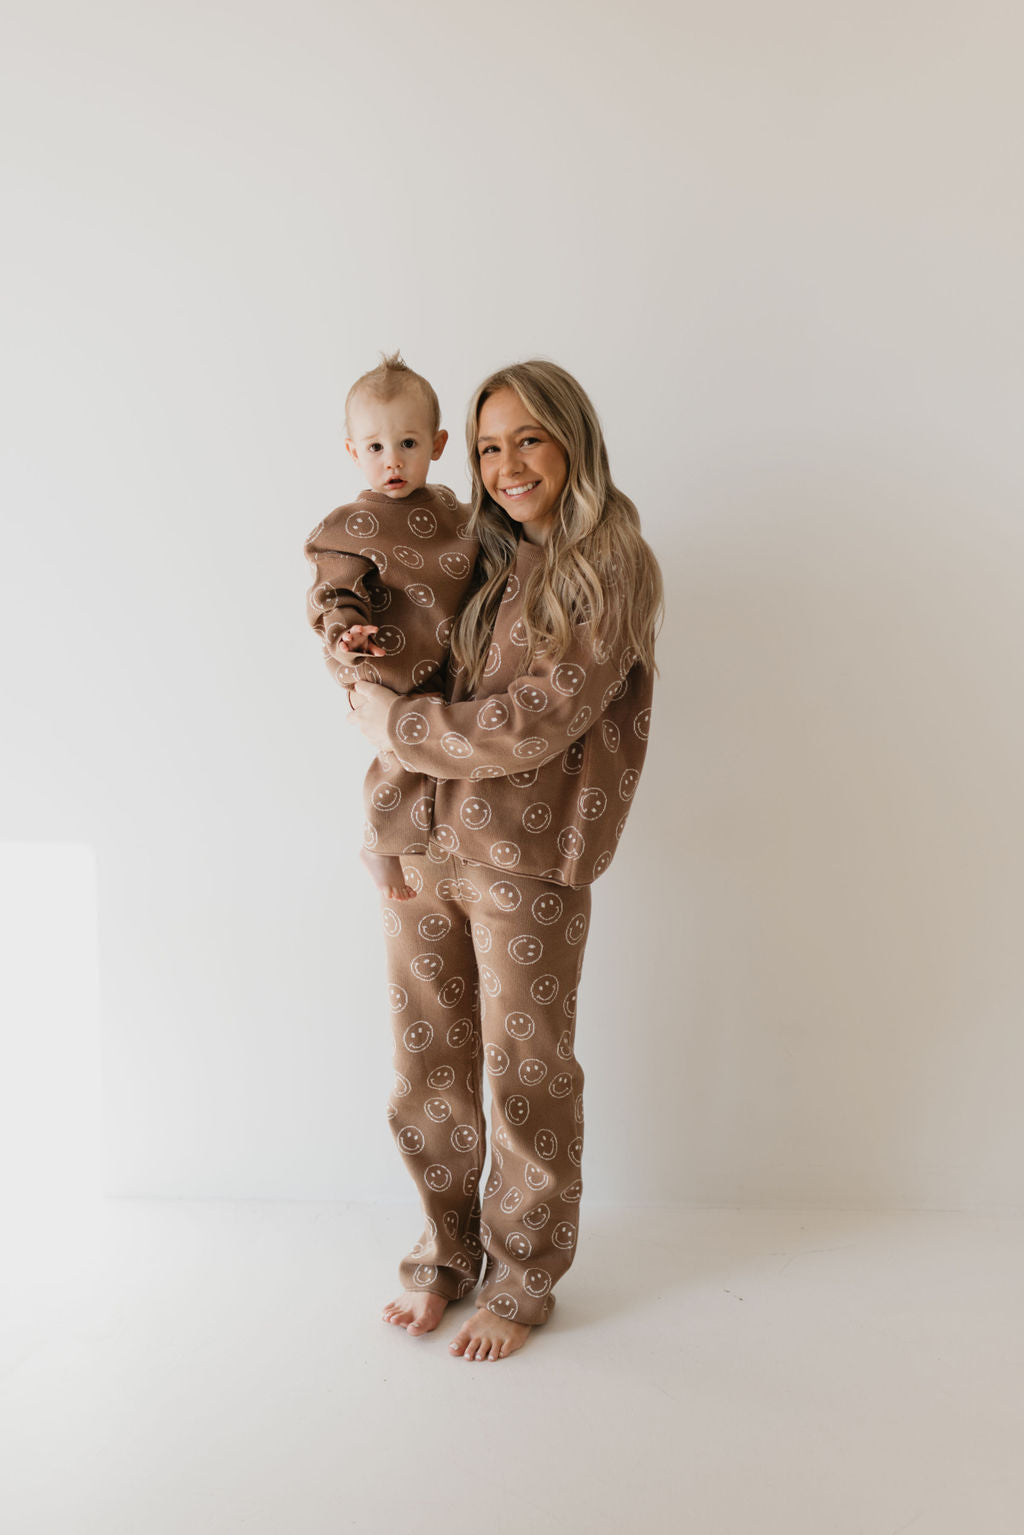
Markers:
(391, 377)
(598, 568)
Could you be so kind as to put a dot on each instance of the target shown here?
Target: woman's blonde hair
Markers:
(598, 569)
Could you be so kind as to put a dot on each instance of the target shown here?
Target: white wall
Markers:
(781, 246)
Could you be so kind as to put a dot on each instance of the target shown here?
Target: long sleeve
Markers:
(537, 717)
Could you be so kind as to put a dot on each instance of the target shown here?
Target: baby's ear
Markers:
(351, 449)
(439, 442)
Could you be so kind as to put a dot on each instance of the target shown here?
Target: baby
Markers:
(399, 554)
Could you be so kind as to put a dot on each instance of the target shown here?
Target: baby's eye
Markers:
(409, 442)
(373, 447)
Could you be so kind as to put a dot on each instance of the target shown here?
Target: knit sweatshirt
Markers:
(403, 565)
(536, 772)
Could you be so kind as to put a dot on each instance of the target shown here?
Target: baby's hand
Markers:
(357, 640)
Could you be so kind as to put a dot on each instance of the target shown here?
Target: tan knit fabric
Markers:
(535, 774)
(403, 565)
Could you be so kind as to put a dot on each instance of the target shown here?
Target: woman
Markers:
(521, 779)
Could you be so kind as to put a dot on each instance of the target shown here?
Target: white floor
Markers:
(205, 1368)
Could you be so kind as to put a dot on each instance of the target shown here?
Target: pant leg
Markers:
(529, 937)
(435, 1108)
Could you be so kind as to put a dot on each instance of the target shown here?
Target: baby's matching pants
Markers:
(483, 969)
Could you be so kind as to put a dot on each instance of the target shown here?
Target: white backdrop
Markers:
(781, 246)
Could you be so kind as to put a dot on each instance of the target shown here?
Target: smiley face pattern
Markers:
(483, 971)
(533, 775)
(402, 565)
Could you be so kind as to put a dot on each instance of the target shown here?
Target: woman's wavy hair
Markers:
(599, 570)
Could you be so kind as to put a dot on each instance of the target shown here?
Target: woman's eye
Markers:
(489, 449)
(524, 440)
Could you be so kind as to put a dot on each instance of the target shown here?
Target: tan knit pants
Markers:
(483, 969)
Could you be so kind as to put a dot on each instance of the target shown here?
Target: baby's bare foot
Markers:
(486, 1336)
(418, 1311)
(387, 874)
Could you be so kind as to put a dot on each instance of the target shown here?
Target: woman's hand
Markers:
(371, 704)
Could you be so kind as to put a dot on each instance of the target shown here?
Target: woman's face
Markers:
(523, 468)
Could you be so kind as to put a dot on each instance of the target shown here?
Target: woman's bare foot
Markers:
(418, 1311)
(486, 1336)
(387, 874)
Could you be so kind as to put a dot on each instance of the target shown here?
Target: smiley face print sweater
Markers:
(535, 773)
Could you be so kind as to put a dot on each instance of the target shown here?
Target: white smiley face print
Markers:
(578, 1110)
(486, 770)
(461, 1262)
(506, 855)
(601, 863)
(443, 632)
(441, 1078)
(455, 565)
(475, 812)
(572, 758)
(411, 558)
(424, 1274)
(526, 949)
(489, 981)
(402, 1087)
(422, 670)
(505, 895)
(530, 698)
(575, 1150)
(613, 691)
(456, 745)
(573, 1192)
(524, 780)
(564, 1234)
(390, 921)
(421, 812)
(422, 522)
(511, 591)
(544, 989)
(420, 593)
(496, 1059)
(537, 817)
(512, 1200)
(450, 1222)
(386, 796)
(532, 1071)
(627, 661)
(412, 729)
(451, 992)
(418, 1035)
(536, 1282)
(517, 633)
(628, 783)
(460, 1033)
(482, 938)
(493, 660)
(564, 1046)
(610, 735)
(410, 1140)
(519, 1025)
(398, 998)
(519, 1245)
(427, 967)
(470, 1240)
(517, 1109)
(548, 908)
(506, 1306)
(492, 714)
(361, 525)
(390, 639)
(533, 746)
(464, 1137)
(569, 1003)
(570, 842)
(620, 827)
(546, 1144)
(538, 1217)
(535, 1178)
(568, 678)
(438, 1109)
(369, 835)
(580, 720)
(577, 929)
(560, 1085)
(445, 837)
(592, 803)
(493, 1183)
(437, 1177)
(434, 926)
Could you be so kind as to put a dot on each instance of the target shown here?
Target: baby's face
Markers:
(393, 444)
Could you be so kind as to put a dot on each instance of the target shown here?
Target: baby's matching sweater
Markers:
(403, 565)
(535, 773)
